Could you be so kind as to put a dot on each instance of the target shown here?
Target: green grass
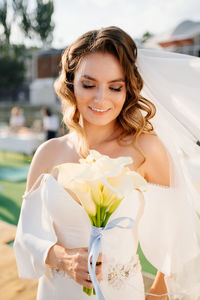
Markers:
(11, 159)
(146, 266)
(11, 199)
(11, 193)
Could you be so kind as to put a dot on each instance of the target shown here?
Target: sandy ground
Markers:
(12, 287)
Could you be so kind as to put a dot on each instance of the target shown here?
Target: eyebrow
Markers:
(116, 80)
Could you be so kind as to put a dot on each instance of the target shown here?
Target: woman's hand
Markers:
(74, 262)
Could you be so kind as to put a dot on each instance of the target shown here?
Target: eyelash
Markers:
(91, 86)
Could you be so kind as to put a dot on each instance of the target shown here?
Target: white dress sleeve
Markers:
(169, 234)
(35, 233)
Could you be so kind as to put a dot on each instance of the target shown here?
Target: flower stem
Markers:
(91, 220)
(103, 210)
(87, 291)
(106, 219)
(98, 216)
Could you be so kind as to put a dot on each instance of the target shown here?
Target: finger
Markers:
(85, 249)
(99, 277)
(98, 269)
(87, 284)
(81, 278)
(82, 258)
(98, 262)
(98, 274)
(80, 267)
(88, 277)
(100, 257)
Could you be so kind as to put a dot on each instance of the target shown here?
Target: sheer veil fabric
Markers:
(172, 83)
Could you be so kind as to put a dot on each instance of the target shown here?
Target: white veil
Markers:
(172, 83)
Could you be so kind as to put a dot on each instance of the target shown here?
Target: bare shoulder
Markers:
(151, 143)
(48, 154)
(157, 168)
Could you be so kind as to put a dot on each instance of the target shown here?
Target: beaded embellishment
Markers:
(118, 274)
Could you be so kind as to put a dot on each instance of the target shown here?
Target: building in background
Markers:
(184, 38)
(45, 69)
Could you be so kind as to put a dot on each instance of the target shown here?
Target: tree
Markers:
(12, 70)
(4, 22)
(39, 21)
(21, 9)
(147, 35)
(44, 26)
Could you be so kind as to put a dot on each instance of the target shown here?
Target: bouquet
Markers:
(100, 183)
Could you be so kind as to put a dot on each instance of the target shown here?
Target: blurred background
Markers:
(33, 35)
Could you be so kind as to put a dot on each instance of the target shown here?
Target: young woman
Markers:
(100, 88)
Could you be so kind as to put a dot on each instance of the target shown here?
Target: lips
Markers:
(99, 109)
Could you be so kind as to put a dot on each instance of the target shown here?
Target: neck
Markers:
(97, 135)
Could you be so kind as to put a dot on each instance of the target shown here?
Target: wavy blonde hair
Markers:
(115, 41)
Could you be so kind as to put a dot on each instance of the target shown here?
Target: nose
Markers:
(101, 94)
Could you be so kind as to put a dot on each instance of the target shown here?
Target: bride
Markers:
(105, 108)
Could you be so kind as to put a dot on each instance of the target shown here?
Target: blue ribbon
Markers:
(95, 248)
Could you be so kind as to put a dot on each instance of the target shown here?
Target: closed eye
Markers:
(89, 86)
(116, 89)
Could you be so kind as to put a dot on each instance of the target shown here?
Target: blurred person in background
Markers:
(17, 119)
(50, 123)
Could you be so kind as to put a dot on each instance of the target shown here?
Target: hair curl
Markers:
(115, 41)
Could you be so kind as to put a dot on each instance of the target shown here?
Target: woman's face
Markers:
(99, 88)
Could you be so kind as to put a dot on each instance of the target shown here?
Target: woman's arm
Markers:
(158, 288)
(157, 166)
(42, 162)
(71, 261)
(157, 170)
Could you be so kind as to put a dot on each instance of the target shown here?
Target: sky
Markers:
(74, 17)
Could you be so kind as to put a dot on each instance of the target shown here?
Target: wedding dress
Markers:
(49, 214)
(166, 219)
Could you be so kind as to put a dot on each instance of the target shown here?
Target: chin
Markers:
(99, 121)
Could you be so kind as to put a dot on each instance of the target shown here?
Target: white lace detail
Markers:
(158, 185)
(118, 274)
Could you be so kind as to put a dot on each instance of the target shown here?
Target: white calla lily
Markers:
(96, 190)
(100, 182)
(83, 192)
(91, 158)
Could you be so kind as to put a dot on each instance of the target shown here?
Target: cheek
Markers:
(119, 100)
(77, 91)
(81, 95)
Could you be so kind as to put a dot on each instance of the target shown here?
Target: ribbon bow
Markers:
(95, 248)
